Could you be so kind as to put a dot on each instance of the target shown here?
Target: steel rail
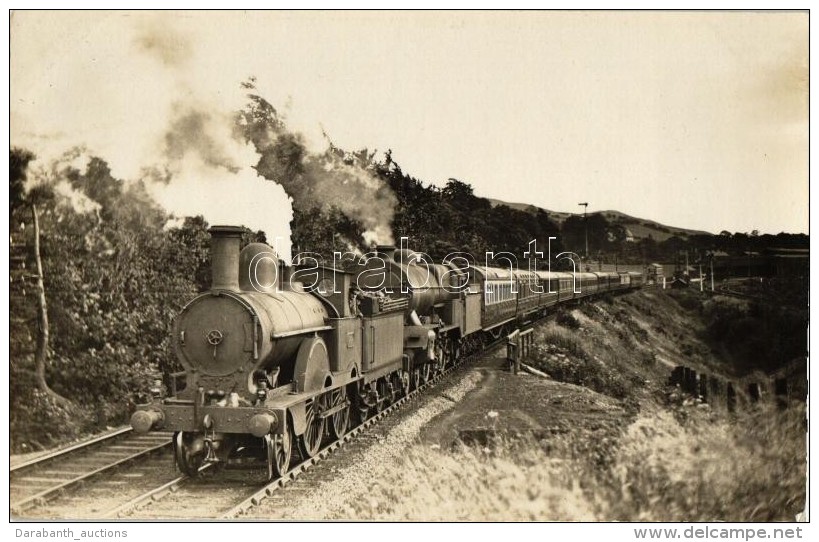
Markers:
(62, 452)
(49, 493)
(151, 495)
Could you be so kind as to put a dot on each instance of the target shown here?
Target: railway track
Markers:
(38, 481)
(741, 295)
(231, 493)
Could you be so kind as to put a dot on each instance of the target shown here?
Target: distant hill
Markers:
(639, 227)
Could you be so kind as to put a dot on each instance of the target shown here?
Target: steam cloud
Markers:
(153, 111)
(333, 178)
(358, 193)
(152, 120)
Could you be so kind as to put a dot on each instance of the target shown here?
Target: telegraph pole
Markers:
(586, 226)
(712, 272)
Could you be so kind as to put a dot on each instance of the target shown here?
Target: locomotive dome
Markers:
(258, 268)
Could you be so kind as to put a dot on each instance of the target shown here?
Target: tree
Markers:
(19, 160)
(575, 229)
(18, 164)
(458, 191)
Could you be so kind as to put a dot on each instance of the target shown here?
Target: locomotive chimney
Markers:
(224, 256)
(386, 250)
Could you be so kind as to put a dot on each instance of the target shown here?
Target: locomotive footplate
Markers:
(224, 419)
(280, 411)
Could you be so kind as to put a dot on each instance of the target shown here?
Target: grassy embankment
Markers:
(675, 459)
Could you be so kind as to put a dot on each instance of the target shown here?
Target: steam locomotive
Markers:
(278, 358)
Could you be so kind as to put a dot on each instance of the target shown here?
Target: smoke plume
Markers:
(136, 90)
(343, 181)
(154, 119)
(330, 179)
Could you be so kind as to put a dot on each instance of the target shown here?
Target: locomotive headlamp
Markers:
(261, 390)
(262, 424)
(156, 389)
(261, 394)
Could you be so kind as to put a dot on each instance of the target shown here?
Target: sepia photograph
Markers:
(408, 266)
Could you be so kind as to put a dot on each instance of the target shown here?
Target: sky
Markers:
(693, 119)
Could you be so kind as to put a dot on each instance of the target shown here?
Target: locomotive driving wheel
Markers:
(446, 357)
(416, 378)
(452, 351)
(279, 451)
(397, 386)
(440, 352)
(384, 388)
(189, 457)
(310, 441)
(341, 419)
(405, 381)
(426, 372)
(362, 402)
(438, 365)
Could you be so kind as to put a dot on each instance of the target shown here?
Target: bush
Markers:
(566, 319)
(686, 299)
(665, 472)
(757, 335)
(38, 422)
(565, 359)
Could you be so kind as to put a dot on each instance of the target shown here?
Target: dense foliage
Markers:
(114, 280)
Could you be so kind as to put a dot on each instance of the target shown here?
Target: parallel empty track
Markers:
(47, 477)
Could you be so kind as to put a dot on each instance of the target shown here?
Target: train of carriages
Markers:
(276, 359)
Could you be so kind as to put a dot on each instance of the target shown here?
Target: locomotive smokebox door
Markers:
(218, 335)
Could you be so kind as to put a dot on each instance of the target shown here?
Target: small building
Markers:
(654, 273)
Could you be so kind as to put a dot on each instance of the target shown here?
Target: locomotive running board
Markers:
(299, 332)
